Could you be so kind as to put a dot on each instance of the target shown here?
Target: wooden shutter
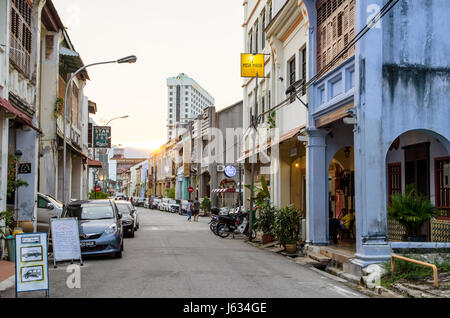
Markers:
(20, 35)
(394, 179)
(335, 29)
(442, 195)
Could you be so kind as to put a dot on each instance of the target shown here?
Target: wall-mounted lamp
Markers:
(347, 152)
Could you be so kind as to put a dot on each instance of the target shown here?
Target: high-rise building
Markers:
(186, 101)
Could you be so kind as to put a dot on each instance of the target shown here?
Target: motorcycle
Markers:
(213, 223)
(235, 225)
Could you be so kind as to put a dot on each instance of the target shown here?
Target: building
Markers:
(58, 62)
(378, 116)
(20, 54)
(186, 100)
(278, 29)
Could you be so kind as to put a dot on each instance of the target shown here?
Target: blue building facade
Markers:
(380, 117)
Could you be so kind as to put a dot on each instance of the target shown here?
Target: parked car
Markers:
(47, 208)
(140, 202)
(155, 203)
(147, 203)
(128, 222)
(184, 204)
(100, 226)
(174, 206)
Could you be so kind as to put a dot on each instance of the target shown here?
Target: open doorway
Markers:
(341, 185)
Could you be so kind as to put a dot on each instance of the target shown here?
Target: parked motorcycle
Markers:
(234, 224)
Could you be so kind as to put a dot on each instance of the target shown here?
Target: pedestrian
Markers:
(189, 210)
(196, 209)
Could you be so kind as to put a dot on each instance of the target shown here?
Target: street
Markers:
(170, 257)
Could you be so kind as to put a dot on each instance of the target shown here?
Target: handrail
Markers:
(435, 270)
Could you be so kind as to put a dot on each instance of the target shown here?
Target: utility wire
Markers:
(383, 11)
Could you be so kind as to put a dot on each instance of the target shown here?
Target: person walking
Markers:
(196, 209)
(189, 210)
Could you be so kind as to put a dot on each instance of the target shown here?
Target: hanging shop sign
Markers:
(102, 137)
(252, 65)
(31, 263)
(230, 171)
(66, 240)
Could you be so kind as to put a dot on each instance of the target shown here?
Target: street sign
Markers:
(102, 137)
(31, 263)
(252, 65)
(191, 190)
(98, 189)
(24, 168)
(230, 171)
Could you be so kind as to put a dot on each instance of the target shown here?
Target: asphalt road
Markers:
(170, 257)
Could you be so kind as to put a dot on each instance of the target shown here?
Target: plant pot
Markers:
(11, 243)
(414, 238)
(291, 248)
(267, 238)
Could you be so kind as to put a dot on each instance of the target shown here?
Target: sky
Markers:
(202, 38)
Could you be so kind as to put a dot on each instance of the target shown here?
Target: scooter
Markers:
(234, 225)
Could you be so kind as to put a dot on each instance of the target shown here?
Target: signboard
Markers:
(252, 65)
(98, 189)
(190, 189)
(102, 137)
(230, 171)
(66, 239)
(24, 168)
(31, 263)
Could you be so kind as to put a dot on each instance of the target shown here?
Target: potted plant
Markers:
(205, 205)
(412, 211)
(286, 228)
(265, 222)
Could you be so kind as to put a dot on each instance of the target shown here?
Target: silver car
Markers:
(47, 208)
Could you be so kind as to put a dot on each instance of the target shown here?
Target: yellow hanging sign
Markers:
(252, 65)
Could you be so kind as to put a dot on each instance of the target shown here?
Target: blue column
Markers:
(317, 189)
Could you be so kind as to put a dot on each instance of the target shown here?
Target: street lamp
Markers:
(123, 117)
(128, 59)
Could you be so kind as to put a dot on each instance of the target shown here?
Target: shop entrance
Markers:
(341, 185)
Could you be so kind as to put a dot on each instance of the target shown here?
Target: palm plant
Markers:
(411, 210)
(261, 195)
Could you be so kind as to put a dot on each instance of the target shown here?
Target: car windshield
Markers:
(123, 208)
(58, 203)
(172, 202)
(90, 212)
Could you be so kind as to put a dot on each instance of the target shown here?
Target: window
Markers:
(250, 41)
(20, 35)
(336, 27)
(303, 67)
(291, 70)
(256, 36)
(263, 25)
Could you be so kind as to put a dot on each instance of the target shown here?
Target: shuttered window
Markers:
(335, 29)
(20, 35)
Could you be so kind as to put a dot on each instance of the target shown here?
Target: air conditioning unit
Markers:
(447, 176)
(220, 168)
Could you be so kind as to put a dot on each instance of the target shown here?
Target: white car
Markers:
(164, 206)
(47, 208)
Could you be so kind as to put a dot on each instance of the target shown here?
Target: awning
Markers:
(6, 105)
(228, 190)
(290, 134)
(94, 163)
(72, 60)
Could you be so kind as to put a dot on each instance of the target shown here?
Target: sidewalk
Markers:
(7, 271)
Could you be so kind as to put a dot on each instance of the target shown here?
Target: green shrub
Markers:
(286, 226)
(206, 204)
(98, 196)
(170, 193)
(266, 219)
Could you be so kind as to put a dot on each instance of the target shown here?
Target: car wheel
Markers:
(132, 232)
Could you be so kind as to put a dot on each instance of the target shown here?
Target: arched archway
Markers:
(419, 158)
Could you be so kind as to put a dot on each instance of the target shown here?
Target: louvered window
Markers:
(20, 35)
(336, 28)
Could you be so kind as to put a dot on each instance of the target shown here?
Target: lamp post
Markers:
(128, 59)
